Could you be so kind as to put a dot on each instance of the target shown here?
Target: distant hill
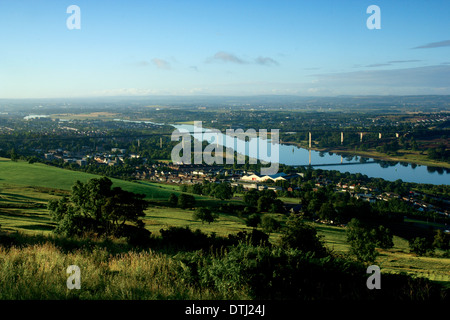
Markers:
(379, 102)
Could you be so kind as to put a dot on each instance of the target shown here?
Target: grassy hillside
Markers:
(26, 188)
(22, 173)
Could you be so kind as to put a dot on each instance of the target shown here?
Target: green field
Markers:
(395, 260)
(22, 173)
(26, 188)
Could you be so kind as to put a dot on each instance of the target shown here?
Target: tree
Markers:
(173, 200)
(269, 224)
(277, 206)
(383, 237)
(223, 191)
(263, 204)
(186, 201)
(421, 246)
(251, 197)
(205, 215)
(13, 155)
(313, 207)
(96, 207)
(253, 220)
(298, 235)
(362, 241)
(441, 240)
(327, 211)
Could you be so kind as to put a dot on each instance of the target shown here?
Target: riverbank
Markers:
(407, 156)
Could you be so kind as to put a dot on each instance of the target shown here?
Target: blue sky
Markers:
(308, 48)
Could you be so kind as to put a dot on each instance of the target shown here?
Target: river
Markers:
(391, 171)
(295, 156)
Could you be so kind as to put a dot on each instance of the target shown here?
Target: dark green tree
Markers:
(173, 200)
(253, 220)
(186, 201)
(421, 246)
(205, 215)
(264, 204)
(441, 240)
(327, 211)
(383, 237)
(13, 155)
(362, 241)
(298, 235)
(269, 224)
(222, 191)
(96, 207)
(251, 197)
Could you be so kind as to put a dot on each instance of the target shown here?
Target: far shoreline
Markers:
(375, 155)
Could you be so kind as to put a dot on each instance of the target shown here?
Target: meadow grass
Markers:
(157, 218)
(39, 272)
(396, 260)
(22, 173)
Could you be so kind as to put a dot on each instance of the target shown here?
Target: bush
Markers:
(253, 238)
(183, 238)
(136, 236)
(264, 273)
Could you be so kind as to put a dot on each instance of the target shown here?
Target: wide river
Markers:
(295, 156)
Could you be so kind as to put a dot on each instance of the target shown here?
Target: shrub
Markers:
(253, 238)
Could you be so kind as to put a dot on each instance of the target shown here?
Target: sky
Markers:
(218, 47)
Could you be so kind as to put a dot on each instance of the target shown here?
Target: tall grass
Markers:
(39, 272)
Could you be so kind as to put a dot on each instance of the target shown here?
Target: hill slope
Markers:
(22, 173)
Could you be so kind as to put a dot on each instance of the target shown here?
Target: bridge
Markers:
(361, 134)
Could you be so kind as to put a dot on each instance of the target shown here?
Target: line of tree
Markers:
(427, 245)
(220, 190)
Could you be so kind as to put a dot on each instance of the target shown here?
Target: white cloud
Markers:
(161, 64)
(222, 56)
(266, 61)
(445, 43)
(226, 57)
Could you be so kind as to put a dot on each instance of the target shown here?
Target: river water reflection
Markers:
(294, 156)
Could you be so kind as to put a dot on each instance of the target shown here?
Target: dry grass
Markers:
(39, 272)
